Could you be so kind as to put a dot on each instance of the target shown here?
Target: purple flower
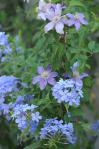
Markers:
(76, 20)
(77, 77)
(56, 20)
(45, 76)
(43, 8)
(53, 13)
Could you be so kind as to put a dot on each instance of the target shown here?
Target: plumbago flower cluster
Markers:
(5, 47)
(70, 90)
(53, 13)
(25, 117)
(54, 127)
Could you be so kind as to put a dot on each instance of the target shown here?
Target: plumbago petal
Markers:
(59, 28)
(49, 27)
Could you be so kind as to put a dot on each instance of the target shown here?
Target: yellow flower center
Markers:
(45, 74)
(76, 16)
(76, 74)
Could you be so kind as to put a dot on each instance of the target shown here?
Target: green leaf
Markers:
(91, 45)
(75, 3)
(33, 146)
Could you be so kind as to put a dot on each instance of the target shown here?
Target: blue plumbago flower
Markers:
(29, 96)
(66, 91)
(4, 44)
(95, 126)
(70, 90)
(54, 127)
(2, 99)
(22, 99)
(45, 76)
(19, 100)
(5, 109)
(36, 116)
(76, 20)
(25, 116)
(8, 84)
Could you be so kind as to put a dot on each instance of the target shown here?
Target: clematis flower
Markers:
(76, 20)
(56, 20)
(43, 8)
(45, 76)
(77, 77)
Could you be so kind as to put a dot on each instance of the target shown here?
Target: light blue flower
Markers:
(5, 47)
(67, 92)
(95, 126)
(25, 116)
(8, 84)
(54, 127)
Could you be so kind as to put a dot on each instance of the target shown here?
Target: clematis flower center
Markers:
(56, 18)
(76, 17)
(76, 74)
(45, 74)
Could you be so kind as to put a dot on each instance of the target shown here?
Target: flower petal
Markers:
(42, 83)
(51, 81)
(77, 25)
(40, 69)
(58, 9)
(49, 27)
(53, 74)
(83, 75)
(41, 15)
(84, 21)
(69, 15)
(49, 68)
(70, 22)
(42, 4)
(36, 79)
(59, 28)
